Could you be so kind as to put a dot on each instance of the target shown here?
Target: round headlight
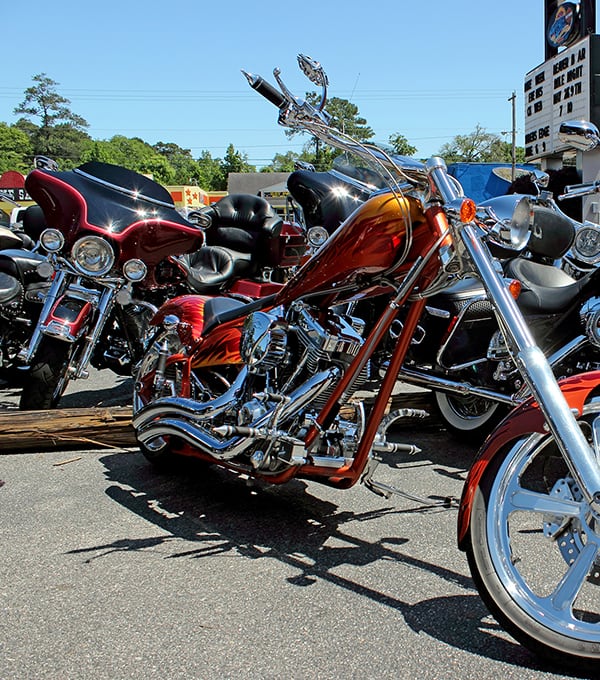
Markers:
(586, 246)
(52, 240)
(317, 236)
(93, 256)
(134, 270)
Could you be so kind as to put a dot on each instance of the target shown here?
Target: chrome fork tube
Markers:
(103, 311)
(537, 373)
(52, 296)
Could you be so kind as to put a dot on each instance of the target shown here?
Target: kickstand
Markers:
(386, 490)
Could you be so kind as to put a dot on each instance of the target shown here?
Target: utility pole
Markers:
(513, 171)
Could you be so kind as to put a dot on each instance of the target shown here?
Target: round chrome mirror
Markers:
(579, 134)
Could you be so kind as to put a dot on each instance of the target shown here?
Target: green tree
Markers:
(16, 152)
(401, 145)
(236, 161)
(502, 151)
(185, 167)
(479, 146)
(282, 162)
(132, 153)
(60, 133)
(210, 173)
(67, 146)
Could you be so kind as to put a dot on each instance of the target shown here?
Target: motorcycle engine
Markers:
(283, 353)
(269, 341)
(264, 342)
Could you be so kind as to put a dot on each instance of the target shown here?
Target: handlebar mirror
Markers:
(45, 163)
(313, 70)
(540, 178)
(579, 134)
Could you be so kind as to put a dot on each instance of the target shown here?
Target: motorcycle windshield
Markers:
(126, 181)
(355, 168)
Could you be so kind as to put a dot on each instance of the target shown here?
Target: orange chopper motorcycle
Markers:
(268, 388)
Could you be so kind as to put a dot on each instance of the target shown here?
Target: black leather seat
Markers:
(212, 266)
(245, 223)
(243, 235)
(545, 288)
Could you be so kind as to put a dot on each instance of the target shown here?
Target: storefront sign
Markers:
(556, 91)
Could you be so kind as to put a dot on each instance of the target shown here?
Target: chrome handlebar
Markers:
(577, 190)
(299, 114)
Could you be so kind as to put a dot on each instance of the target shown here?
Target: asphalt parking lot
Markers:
(111, 570)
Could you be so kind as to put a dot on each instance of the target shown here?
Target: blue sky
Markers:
(170, 71)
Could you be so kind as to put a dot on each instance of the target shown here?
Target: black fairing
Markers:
(326, 200)
(115, 197)
(127, 179)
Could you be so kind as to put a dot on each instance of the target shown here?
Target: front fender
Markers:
(68, 319)
(525, 419)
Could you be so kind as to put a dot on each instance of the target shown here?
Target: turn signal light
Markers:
(468, 210)
(514, 288)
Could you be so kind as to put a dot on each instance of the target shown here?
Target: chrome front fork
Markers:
(537, 373)
(105, 305)
(55, 290)
(102, 303)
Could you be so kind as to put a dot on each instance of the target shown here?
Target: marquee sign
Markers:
(558, 90)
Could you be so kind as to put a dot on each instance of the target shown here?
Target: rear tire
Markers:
(467, 417)
(47, 378)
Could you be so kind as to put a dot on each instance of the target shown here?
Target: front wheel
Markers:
(48, 376)
(534, 550)
(468, 417)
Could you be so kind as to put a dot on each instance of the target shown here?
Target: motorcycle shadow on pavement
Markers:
(207, 511)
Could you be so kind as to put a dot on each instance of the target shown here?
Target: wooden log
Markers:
(60, 429)
(94, 428)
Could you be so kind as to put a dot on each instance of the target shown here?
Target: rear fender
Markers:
(524, 420)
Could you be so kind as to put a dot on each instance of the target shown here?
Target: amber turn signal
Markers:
(468, 210)
(514, 288)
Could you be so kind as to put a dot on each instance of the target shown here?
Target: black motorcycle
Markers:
(459, 353)
(24, 282)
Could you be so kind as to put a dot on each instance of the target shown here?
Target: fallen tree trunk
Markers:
(93, 428)
(73, 428)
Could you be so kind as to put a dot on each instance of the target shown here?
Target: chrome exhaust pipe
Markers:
(194, 430)
(189, 408)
